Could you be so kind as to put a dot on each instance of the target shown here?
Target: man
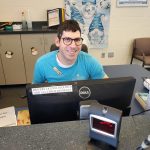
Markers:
(68, 63)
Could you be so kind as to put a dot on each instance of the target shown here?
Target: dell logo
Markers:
(84, 92)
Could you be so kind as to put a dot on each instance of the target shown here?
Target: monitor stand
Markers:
(126, 112)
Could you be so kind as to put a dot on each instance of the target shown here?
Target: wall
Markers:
(125, 24)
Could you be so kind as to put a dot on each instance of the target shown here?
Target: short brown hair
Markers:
(68, 25)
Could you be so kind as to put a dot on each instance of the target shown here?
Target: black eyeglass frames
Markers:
(68, 41)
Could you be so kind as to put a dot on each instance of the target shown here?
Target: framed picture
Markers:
(55, 16)
(132, 3)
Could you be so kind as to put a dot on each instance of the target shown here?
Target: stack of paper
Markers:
(143, 100)
(8, 117)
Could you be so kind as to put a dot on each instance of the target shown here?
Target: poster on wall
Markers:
(93, 17)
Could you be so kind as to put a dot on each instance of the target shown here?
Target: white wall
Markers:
(126, 24)
(10, 10)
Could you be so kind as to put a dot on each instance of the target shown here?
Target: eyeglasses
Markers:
(68, 41)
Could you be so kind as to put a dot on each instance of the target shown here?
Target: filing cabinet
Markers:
(2, 78)
(33, 48)
(18, 54)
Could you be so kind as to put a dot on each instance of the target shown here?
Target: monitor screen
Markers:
(55, 102)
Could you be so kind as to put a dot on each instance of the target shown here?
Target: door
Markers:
(33, 48)
(12, 59)
(2, 78)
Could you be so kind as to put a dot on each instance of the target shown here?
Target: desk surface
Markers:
(72, 135)
(137, 72)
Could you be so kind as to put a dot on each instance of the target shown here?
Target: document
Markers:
(53, 17)
(8, 117)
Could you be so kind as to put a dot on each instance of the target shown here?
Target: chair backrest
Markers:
(84, 48)
(142, 44)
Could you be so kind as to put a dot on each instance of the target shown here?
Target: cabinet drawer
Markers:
(33, 48)
(12, 59)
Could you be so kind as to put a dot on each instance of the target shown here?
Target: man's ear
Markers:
(57, 41)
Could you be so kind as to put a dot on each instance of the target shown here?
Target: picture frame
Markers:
(132, 3)
(55, 17)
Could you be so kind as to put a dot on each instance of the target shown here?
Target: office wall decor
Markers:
(93, 17)
(55, 16)
(131, 3)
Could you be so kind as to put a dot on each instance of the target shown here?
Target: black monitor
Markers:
(54, 102)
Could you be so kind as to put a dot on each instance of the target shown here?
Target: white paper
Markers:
(53, 17)
(52, 89)
(8, 117)
(147, 83)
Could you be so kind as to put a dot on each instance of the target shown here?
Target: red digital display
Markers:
(104, 126)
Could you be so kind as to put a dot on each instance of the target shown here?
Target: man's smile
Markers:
(71, 51)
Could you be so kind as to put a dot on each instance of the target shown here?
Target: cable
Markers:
(145, 144)
(141, 112)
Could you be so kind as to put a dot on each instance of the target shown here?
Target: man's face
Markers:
(68, 53)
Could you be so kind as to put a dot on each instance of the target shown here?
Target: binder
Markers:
(55, 17)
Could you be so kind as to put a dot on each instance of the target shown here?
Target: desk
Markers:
(130, 70)
(72, 135)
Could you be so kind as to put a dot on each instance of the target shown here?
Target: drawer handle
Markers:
(34, 51)
(9, 54)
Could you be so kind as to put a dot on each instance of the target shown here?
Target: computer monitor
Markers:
(54, 102)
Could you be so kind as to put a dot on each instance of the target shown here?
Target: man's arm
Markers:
(96, 69)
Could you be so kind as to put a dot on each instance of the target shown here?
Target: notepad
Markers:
(8, 117)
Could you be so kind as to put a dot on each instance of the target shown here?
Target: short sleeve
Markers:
(95, 69)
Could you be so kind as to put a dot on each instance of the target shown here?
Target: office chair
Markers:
(84, 48)
(141, 50)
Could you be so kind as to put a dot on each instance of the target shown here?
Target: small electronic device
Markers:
(105, 124)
